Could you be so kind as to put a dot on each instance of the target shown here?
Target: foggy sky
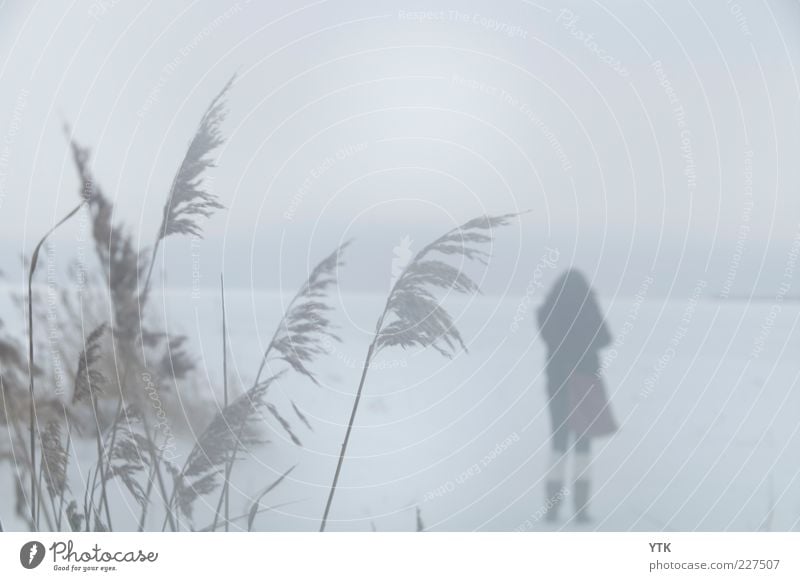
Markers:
(645, 137)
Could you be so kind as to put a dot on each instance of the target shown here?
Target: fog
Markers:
(652, 145)
(438, 112)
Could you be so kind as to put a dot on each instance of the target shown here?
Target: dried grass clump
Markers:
(131, 455)
(128, 452)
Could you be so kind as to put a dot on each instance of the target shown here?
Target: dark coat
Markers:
(573, 328)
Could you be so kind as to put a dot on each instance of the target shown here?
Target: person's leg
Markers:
(556, 476)
(582, 478)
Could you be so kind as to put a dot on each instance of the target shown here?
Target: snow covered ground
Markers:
(706, 392)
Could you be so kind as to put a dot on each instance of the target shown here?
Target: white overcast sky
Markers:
(475, 107)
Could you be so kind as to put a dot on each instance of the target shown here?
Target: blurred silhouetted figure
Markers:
(574, 329)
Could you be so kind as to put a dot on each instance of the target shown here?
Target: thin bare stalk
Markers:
(19, 434)
(86, 497)
(146, 503)
(150, 267)
(101, 468)
(159, 479)
(40, 491)
(32, 410)
(229, 467)
(225, 495)
(354, 411)
(106, 463)
(39, 486)
(62, 495)
(343, 450)
(345, 442)
(151, 478)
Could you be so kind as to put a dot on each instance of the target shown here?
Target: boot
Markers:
(582, 501)
(554, 492)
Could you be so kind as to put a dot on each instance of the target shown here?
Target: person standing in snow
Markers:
(574, 330)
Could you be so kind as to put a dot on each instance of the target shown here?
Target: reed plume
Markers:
(131, 454)
(54, 460)
(122, 268)
(120, 263)
(227, 433)
(305, 331)
(187, 199)
(306, 328)
(74, 518)
(89, 380)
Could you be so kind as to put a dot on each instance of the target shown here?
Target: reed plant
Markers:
(413, 315)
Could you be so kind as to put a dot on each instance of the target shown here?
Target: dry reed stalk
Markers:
(225, 496)
(187, 200)
(414, 314)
